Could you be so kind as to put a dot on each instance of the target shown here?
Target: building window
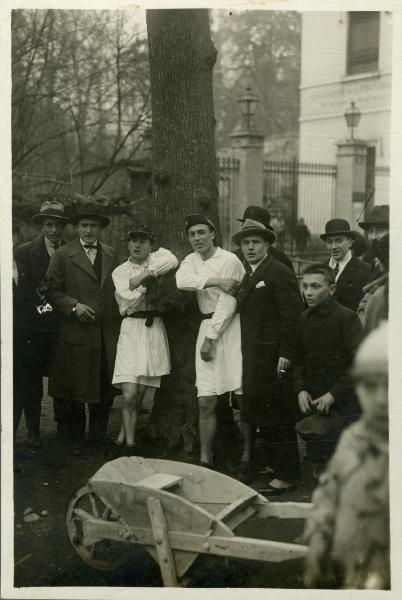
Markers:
(363, 42)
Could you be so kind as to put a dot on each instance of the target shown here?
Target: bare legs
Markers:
(207, 427)
(133, 396)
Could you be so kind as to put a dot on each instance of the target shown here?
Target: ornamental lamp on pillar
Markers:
(247, 146)
(248, 106)
(352, 117)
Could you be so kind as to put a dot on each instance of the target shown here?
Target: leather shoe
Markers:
(276, 491)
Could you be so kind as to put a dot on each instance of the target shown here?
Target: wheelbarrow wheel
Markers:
(104, 555)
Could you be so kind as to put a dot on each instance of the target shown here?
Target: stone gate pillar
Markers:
(350, 193)
(247, 146)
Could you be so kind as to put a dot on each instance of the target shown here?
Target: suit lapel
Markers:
(345, 276)
(107, 263)
(250, 280)
(79, 258)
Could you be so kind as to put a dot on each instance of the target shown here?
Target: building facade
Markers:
(346, 57)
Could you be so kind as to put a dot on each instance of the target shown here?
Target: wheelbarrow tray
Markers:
(177, 511)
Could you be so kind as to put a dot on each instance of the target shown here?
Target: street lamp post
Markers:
(352, 117)
(248, 106)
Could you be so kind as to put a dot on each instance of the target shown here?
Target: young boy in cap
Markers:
(37, 332)
(213, 274)
(348, 530)
(351, 274)
(330, 336)
(142, 351)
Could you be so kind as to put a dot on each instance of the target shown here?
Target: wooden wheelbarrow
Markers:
(176, 511)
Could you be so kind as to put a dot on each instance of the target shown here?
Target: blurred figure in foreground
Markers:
(373, 307)
(348, 530)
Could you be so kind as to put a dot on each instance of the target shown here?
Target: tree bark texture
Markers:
(181, 56)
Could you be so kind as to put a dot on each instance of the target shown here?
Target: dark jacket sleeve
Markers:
(289, 302)
(352, 333)
(298, 372)
(54, 286)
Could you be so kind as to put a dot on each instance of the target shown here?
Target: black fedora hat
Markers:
(141, 232)
(50, 209)
(338, 227)
(257, 213)
(379, 217)
(251, 227)
(89, 210)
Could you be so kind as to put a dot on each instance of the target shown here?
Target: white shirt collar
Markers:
(342, 263)
(256, 265)
(50, 247)
(95, 243)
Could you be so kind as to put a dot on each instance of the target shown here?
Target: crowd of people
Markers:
(297, 358)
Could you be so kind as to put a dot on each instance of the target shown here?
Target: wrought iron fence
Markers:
(294, 191)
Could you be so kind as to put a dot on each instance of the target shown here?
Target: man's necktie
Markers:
(336, 270)
(91, 251)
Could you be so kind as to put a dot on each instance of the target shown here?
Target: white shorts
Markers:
(141, 380)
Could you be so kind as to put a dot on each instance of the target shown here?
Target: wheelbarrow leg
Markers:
(163, 549)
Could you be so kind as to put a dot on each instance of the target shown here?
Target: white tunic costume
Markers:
(224, 372)
(142, 352)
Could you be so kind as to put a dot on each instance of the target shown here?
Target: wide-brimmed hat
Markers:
(251, 227)
(381, 250)
(141, 232)
(89, 210)
(257, 213)
(50, 209)
(379, 217)
(338, 227)
(198, 219)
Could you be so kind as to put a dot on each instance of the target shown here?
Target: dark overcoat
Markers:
(37, 332)
(71, 278)
(350, 283)
(270, 304)
(329, 338)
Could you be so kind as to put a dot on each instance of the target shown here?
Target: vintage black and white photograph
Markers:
(200, 298)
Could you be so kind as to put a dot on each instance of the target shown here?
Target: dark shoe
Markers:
(77, 448)
(114, 451)
(206, 465)
(130, 450)
(245, 474)
(34, 440)
(267, 470)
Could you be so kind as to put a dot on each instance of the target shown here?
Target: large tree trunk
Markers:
(181, 56)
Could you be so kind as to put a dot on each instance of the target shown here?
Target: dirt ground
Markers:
(44, 556)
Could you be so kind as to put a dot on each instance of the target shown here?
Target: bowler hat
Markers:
(141, 232)
(338, 227)
(379, 217)
(259, 214)
(251, 227)
(89, 210)
(50, 209)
